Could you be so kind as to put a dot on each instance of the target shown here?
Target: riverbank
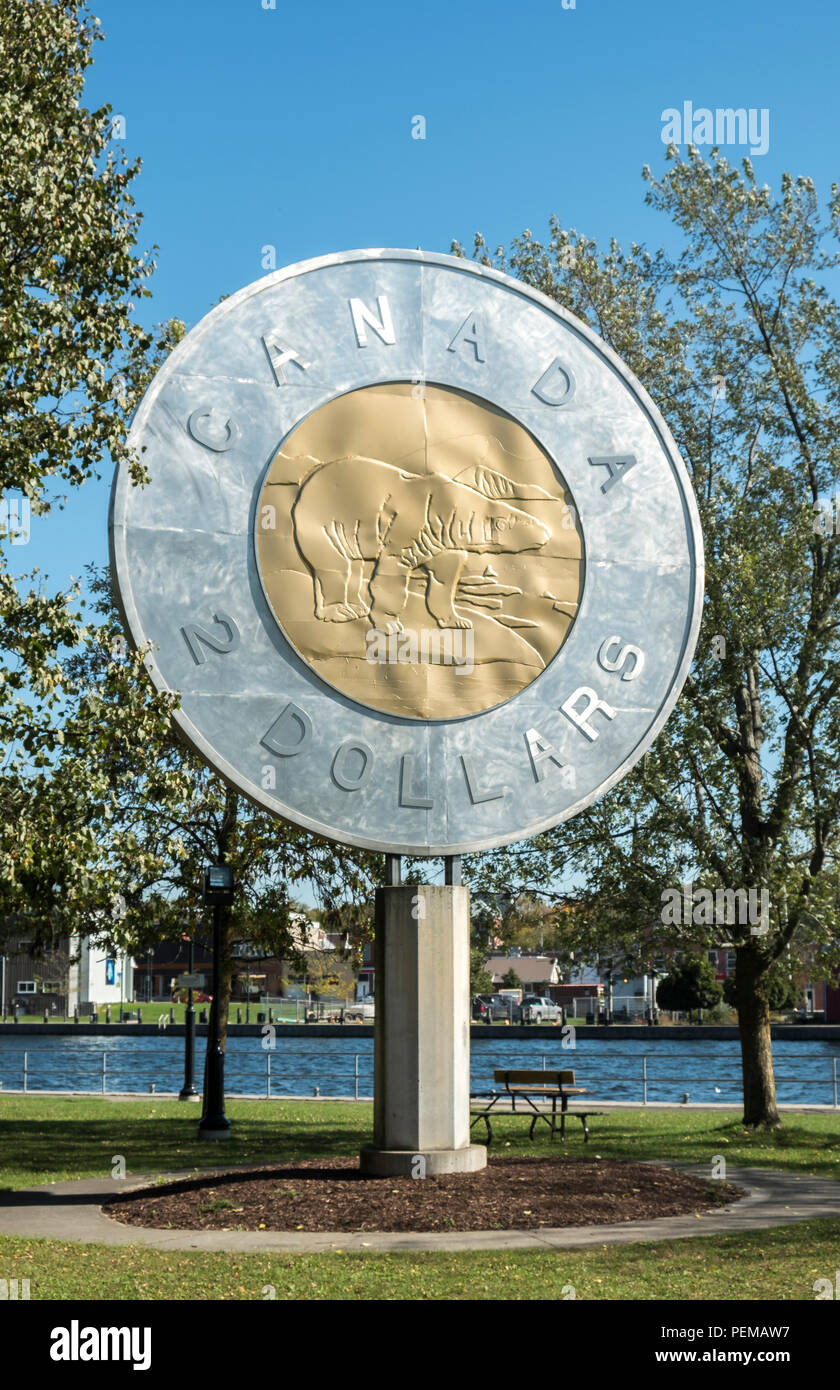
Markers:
(697, 1032)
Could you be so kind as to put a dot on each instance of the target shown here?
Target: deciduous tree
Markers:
(736, 336)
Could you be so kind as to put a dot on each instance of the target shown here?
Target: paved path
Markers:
(72, 1211)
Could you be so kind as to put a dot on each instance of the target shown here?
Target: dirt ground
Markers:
(509, 1194)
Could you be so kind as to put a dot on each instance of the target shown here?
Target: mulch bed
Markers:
(509, 1194)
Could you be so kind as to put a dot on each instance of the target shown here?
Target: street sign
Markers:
(418, 552)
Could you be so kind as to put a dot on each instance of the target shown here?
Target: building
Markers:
(255, 974)
(74, 973)
(98, 977)
(156, 972)
(812, 994)
(537, 973)
(366, 976)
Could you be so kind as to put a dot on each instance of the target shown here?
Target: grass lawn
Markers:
(779, 1264)
(49, 1138)
(45, 1139)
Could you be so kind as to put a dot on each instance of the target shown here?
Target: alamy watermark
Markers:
(722, 907)
(82, 1343)
(13, 1289)
(826, 520)
(15, 519)
(725, 125)
(826, 1289)
(428, 647)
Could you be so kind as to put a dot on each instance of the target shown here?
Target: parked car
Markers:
(478, 1008)
(497, 1006)
(536, 1010)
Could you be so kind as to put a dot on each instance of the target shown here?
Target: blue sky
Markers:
(291, 127)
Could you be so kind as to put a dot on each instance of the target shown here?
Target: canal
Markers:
(705, 1070)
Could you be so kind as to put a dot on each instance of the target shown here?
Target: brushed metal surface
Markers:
(185, 562)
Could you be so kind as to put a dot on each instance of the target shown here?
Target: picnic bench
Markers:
(530, 1086)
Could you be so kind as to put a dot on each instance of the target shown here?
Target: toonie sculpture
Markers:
(418, 554)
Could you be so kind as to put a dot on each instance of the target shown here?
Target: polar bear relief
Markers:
(357, 509)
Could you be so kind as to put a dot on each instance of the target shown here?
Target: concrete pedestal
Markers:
(422, 1034)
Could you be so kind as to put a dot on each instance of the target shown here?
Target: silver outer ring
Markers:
(455, 840)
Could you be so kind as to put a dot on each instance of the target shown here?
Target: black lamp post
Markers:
(218, 890)
(188, 1091)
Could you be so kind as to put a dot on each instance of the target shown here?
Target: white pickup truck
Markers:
(536, 1010)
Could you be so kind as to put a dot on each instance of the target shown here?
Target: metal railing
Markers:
(607, 1075)
(660, 1075)
(246, 1075)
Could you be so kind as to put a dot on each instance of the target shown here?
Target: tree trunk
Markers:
(756, 1049)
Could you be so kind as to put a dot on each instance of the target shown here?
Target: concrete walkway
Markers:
(73, 1211)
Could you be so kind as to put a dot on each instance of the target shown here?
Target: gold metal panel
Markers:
(419, 550)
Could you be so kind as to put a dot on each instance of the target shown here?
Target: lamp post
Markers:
(188, 1091)
(218, 891)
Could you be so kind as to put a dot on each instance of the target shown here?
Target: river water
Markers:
(610, 1069)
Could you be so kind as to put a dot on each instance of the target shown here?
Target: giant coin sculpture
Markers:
(423, 562)
(418, 552)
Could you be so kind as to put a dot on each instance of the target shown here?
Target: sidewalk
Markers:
(72, 1211)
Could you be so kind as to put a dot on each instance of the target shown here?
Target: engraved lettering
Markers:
(352, 765)
(541, 753)
(617, 465)
(213, 429)
(290, 733)
(194, 634)
(407, 797)
(364, 318)
(471, 333)
(618, 662)
(278, 356)
(580, 717)
(477, 794)
(556, 386)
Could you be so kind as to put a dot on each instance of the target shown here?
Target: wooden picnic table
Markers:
(529, 1085)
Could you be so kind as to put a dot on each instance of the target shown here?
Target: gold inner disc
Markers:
(419, 550)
